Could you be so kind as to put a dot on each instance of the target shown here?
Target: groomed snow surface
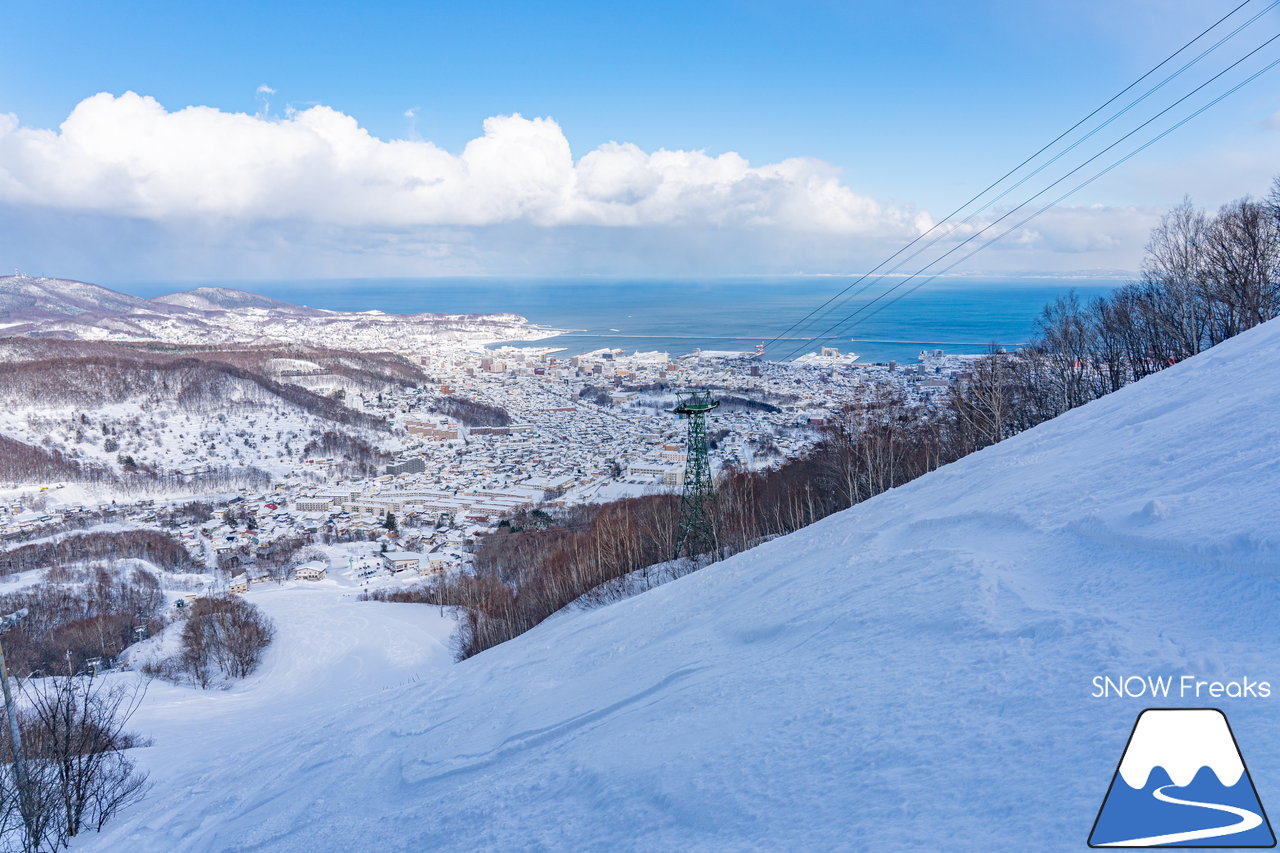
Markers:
(913, 674)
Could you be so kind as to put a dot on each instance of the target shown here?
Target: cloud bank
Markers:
(126, 190)
(129, 156)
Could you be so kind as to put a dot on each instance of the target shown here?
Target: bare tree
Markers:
(983, 403)
(84, 613)
(225, 633)
(1243, 267)
(245, 634)
(74, 736)
(196, 652)
(1065, 335)
(1176, 264)
(32, 820)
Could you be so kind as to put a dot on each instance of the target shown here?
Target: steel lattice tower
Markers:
(697, 533)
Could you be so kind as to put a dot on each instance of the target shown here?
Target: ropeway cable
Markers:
(1003, 177)
(1024, 221)
(811, 318)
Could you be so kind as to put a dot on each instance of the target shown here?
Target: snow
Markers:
(912, 674)
(330, 650)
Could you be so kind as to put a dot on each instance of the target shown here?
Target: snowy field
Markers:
(331, 652)
(912, 674)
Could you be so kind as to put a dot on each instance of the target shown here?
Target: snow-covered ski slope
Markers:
(913, 674)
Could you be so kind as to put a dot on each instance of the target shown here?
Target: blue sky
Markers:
(910, 107)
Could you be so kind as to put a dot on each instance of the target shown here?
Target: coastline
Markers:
(577, 317)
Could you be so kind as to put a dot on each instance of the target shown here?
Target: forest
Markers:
(150, 545)
(65, 399)
(473, 413)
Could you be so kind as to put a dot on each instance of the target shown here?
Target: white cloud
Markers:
(129, 156)
(128, 187)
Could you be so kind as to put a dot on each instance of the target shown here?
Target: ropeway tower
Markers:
(697, 530)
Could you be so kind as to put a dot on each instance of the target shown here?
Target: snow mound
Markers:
(912, 674)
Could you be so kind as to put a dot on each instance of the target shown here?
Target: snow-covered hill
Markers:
(51, 307)
(912, 674)
(169, 413)
(25, 298)
(218, 298)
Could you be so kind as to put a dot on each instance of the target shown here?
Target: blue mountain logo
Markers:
(1182, 782)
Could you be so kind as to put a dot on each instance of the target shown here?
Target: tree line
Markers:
(1204, 279)
(78, 616)
(153, 546)
(353, 455)
(27, 463)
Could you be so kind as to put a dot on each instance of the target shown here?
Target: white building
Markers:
(309, 572)
(399, 561)
(672, 453)
(671, 475)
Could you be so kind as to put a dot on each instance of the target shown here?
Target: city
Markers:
(586, 428)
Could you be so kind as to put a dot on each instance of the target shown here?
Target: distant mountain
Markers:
(223, 298)
(25, 298)
(60, 308)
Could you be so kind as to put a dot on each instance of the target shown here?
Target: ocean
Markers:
(956, 315)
